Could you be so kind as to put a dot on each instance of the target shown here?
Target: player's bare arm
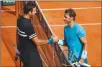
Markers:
(39, 42)
(84, 41)
(36, 41)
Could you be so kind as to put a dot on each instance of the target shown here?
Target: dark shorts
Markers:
(31, 59)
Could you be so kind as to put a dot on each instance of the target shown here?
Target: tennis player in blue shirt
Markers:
(74, 38)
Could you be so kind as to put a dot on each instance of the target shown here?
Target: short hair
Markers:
(71, 13)
(28, 7)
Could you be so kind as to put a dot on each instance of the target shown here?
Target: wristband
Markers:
(84, 54)
(50, 41)
(60, 42)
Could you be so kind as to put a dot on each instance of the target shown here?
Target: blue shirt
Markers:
(72, 39)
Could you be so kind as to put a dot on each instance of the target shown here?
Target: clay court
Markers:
(88, 15)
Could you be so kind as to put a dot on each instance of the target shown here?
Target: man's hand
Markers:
(52, 39)
(81, 61)
(83, 56)
(55, 38)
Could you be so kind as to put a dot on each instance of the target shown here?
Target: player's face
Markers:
(67, 18)
(34, 11)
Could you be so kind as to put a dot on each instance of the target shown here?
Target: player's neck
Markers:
(71, 24)
(26, 16)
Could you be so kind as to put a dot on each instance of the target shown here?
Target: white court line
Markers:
(63, 9)
(88, 24)
(7, 10)
(8, 26)
(72, 8)
(59, 25)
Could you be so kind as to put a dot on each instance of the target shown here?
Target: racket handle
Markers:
(84, 64)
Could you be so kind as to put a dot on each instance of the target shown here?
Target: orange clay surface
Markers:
(84, 16)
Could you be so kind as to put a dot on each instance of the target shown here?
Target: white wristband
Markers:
(60, 42)
(84, 54)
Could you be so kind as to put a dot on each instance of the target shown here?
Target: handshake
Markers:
(54, 39)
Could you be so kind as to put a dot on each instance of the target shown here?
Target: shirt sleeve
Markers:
(81, 31)
(29, 30)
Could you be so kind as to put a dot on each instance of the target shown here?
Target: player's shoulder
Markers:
(65, 26)
(24, 21)
(77, 25)
(20, 18)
